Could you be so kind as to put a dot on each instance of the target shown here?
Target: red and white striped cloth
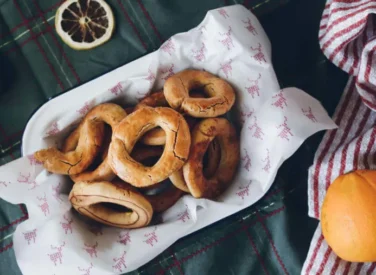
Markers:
(348, 38)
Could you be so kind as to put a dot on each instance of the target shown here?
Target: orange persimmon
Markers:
(348, 216)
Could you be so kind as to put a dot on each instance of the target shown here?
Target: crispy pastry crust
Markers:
(90, 139)
(221, 95)
(132, 128)
(88, 198)
(203, 134)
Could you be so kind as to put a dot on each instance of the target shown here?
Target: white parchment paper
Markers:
(273, 123)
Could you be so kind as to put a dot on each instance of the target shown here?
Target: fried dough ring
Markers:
(143, 153)
(88, 198)
(203, 134)
(214, 156)
(89, 142)
(156, 99)
(177, 179)
(164, 200)
(157, 136)
(103, 171)
(129, 131)
(167, 198)
(221, 96)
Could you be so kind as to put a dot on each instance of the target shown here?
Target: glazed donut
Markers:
(220, 94)
(203, 133)
(214, 156)
(90, 138)
(93, 199)
(132, 128)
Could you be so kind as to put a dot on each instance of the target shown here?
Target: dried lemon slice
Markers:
(84, 24)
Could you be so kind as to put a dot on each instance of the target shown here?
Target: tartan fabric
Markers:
(271, 237)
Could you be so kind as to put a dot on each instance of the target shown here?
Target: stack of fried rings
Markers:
(179, 127)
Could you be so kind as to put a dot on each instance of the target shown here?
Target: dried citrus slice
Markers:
(84, 24)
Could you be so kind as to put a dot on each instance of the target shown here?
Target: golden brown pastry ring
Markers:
(90, 199)
(157, 136)
(221, 95)
(103, 171)
(167, 197)
(88, 145)
(156, 99)
(203, 134)
(132, 128)
(164, 200)
(214, 156)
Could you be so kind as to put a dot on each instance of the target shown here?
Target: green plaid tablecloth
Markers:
(271, 237)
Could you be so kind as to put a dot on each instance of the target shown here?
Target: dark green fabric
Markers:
(271, 237)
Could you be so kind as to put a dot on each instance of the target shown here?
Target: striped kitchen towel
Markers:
(348, 39)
